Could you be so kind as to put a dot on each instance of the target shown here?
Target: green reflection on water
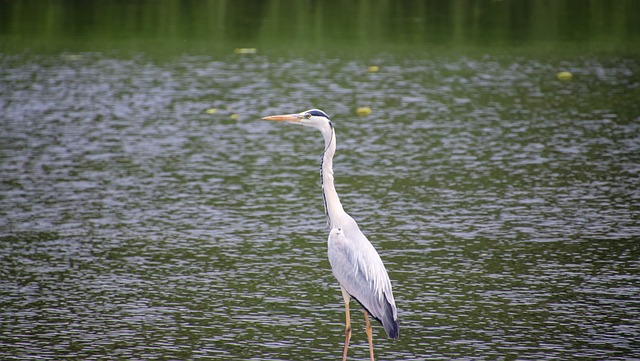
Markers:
(173, 27)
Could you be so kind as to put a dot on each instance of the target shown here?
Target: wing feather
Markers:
(360, 271)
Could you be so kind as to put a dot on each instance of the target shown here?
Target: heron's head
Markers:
(312, 118)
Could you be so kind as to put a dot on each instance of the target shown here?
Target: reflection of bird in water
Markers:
(354, 261)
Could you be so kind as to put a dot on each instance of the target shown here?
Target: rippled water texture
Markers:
(137, 225)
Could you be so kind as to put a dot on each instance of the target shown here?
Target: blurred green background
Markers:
(310, 26)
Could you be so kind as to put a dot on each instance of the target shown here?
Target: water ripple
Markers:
(135, 224)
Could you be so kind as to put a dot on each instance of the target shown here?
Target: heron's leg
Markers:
(369, 335)
(347, 331)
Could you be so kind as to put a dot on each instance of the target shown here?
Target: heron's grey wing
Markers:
(360, 271)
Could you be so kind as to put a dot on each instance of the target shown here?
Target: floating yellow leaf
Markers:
(373, 69)
(211, 111)
(564, 75)
(363, 111)
(245, 50)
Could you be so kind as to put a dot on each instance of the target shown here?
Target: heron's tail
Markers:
(388, 321)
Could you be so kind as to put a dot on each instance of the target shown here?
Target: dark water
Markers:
(503, 201)
(146, 212)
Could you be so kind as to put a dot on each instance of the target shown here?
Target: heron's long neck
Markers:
(332, 205)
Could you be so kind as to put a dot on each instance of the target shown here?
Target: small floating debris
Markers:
(363, 111)
(564, 76)
(373, 69)
(460, 101)
(234, 116)
(72, 57)
(245, 50)
(211, 111)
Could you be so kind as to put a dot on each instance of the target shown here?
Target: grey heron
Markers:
(354, 261)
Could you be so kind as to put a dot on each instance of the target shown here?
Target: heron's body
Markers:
(360, 271)
(354, 261)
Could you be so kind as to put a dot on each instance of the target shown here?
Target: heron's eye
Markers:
(307, 115)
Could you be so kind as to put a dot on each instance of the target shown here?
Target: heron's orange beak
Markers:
(284, 118)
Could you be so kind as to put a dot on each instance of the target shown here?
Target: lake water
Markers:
(146, 212)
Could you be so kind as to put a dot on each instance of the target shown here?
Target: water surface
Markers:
(146, 212)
